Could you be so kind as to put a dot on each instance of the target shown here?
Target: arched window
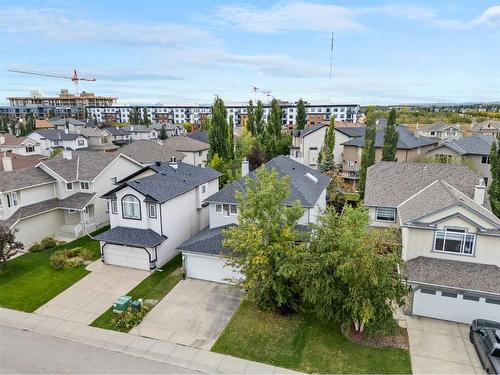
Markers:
(131, 207)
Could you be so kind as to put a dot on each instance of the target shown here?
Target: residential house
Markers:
(473, 151)
(202, 253)
(196, 152)
(99, 139)
(19, 145)
(60, 196)
(149, 152)
(450, 238)
(138, 132)
(307, 144)
(72, 124)
(153, 211)
(119, 136)
(409, 148)
(50, 139)
(441, 130)
(199, 136)
(172, 130)
(488, 127)
(342, 135)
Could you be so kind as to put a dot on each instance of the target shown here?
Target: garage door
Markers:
(131, 257)
(455, 307)
(208, 268)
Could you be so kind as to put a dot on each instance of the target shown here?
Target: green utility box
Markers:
(136, 305)
(121, 304)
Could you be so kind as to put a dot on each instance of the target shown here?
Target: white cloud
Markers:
(58, 25)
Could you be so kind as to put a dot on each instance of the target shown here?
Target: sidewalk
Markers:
(163, 351)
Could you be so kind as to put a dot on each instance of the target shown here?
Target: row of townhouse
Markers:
(178, 114)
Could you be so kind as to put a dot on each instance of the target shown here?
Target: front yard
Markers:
(29, 281)
(154, 287)
(302, 343)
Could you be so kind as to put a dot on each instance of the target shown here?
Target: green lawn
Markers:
(29, 281)
(302, 343)
(156, 286)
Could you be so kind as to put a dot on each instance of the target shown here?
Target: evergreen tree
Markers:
(391, 137)
(368, 155)
(218, 133)
(251, 118)
(494, 189)
(259, 118)
(163, 133)
(327, 164)
(326, 160)
(230, 138)
(301, 115)
(145, 117)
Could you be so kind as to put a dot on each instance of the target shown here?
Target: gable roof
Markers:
(57, 135)
(311, 129)
(150, 151)
(472, 145)
(23, 178)
(136, 128)
(353, 131)
(13, 140)
(208, 241)
(199, 136)
(63, 121)
(406, 141)
(183, 143)
(168, 182)
(437, 126)
(486, 125)
(302, 188)
(21, 161)
(116, 131)
(91, 132)
(43, 124)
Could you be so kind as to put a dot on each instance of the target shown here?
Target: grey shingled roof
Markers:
(199, 136)
(473, 145)
(486, 126)
(77, 201)
(131, 237)
(63, 121)
(454, 274)
(183, 143)
(84, 165)
(116, 131)
(150, 151)
(168, 182)
(138, 128)
(302, 188)
(23, 178)
(406, 141)
(437, 126)
(311, 129)
(355, 131)
(57, 135)
(208, 241)
(388, 184)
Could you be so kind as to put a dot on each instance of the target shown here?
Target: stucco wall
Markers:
(38, 227)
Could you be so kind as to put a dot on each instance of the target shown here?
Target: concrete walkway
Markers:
(89, 297)
(194, 313)
(441, 347)
(163, 351)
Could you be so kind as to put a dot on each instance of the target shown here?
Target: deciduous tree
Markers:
(217, 132)
(8, 245)
(259, 118)
(250, 118)
(301, 114)
(494, 189)
(368, 154)
(230, 138)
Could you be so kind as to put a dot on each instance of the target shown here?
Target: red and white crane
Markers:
(74, 78)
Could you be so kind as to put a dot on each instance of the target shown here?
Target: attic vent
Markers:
(311, 177)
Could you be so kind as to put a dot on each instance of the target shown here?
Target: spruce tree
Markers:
(259, 118)
(368, 155)
(218, 133)
(251, 118)
(494, 189)
(230, 138)
(163, 133)
(301, 115)
(391, 137)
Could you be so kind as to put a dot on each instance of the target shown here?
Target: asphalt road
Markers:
(28, 352)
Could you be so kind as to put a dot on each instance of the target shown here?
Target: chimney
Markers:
(479, 192)
(66, 130)
(245, 168)
(173, 164)
(2, 139)
(7, 163)
(67, 154)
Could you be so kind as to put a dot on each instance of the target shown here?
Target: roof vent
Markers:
(158, 163)
(311, 177)
(163, 174)
(137, 181)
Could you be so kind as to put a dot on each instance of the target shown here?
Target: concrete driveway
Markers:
(88, 298)
(441, 347)
(194, 313)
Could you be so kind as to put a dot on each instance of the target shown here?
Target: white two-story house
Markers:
(153, 211)
(59, 196)
(450, 238)
(23, 146)
(307, 144)
(202, 253)
(139, 132)
(440, 130)
(50, 139)
(195, 151)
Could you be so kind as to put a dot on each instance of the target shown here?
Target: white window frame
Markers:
(385, 220)
(455, 232)
(235, 207)
(135, 201)
(228, 209)
(114, 206)
(83, 184)
(203, 188)
(218, 208)
(152, 211)
(30, 148)
(69, 184)
(80, 142)
(487, 159)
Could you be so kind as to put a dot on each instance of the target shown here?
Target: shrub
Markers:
(131, 318)
(46, 243)
(70, 258)
(58, 260)
(382, 328)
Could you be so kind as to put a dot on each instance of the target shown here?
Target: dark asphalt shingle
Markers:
(23, 178)
(311, 129)
(473, 145)
(208, 241)
(131, 237)
(57, 135)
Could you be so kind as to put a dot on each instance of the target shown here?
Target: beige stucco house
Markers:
(307, 144)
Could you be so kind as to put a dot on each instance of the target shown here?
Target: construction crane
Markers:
(74, 78)
(255, 90)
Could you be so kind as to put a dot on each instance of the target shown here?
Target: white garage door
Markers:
(131, 257)
(208, 268)
(455, 307)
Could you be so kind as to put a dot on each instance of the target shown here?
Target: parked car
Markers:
(485, 335)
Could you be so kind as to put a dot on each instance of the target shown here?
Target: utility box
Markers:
(136, 305)
(121, 304)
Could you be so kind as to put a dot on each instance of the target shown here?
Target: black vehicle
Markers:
(485, 335)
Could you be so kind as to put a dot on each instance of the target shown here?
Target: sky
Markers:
(155, 51)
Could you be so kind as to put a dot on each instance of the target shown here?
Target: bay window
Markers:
(452, 240)
(131, 208)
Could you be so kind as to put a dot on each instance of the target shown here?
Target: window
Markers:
(200, 153)
(114, 207)
(456, 241)
(218, 208)
(131, 208)
(81, 142)
(30, 148)
(443, 158)
(12, 199)
(433, 133)
(449, 295)
(152, 211)
(84, 185)
(234, 209)
(428, 291)
(485, 159)
(225, 209)
(493, 301)
(203, 189)
(469, 297)
(69, 186)
(385, 214)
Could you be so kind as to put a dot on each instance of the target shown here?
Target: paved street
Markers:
(29, 352)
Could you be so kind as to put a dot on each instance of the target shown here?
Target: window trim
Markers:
(218, 208)
(114, 206)
(82, 184)
(152, 206)
(72, 186)
(138, 203)
(383, 220)
(231, 209)
(488, 162)
(455, 230)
